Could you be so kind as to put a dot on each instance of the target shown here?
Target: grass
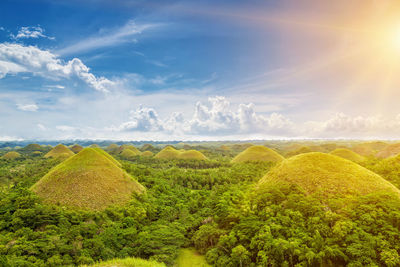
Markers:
(389, 151)
(258, 153)
(59, 151)
(298, 151)
(191, 154)
(171, 153)
(127, 262)
(326, 176)
(112, 148)
(76, 148)
(128, 154)
(147, 153)
(189, 257)
(348, 154)
(130, 147)
(11, 155)
(88, 180)
(32, 147)
(101, 151)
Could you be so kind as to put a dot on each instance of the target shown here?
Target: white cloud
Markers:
(142, 119)
(108, 38)
(218, 118)
(65, 128)
(27, 107)
(31, 32)
(41, 127)
(16, 58)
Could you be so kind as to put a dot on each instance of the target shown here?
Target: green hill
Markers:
(128, 154)
(94, 146)
(298, 151)
(101, 151)
(130, 147)
(76, 148)
(11, 155)
(258, 153)
(112, 148)
(369, 148)
(389, 151)
(147, 153)
(127, 262)
(89, 180)
(167, 152)
(59, 151)
(326, 176)
(192, 154)
(348, 154)
(32, 147)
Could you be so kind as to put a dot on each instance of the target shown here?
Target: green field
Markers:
(189, 257)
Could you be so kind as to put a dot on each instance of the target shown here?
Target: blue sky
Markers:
(193, 70)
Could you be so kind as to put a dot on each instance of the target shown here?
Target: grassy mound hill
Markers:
(147, 153)
(171, 153)
(348, 154)
(130, 147)
(112, 148)
(127, 262)
(298, 151)
(88, 180)
(326, 176)
(389, 151)
(167, 152)
(258, 153)
(191, 154)
(94, 146)
(33, 147)
(59, 151)
(76, 148)
(11, 155)
(369, 148)
(149, 147)
(101, 151)
(128, 154)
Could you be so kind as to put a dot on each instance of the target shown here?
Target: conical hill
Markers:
(59, 151)
(258, 153)
(348, 154)
(88, 180)
(326, 176)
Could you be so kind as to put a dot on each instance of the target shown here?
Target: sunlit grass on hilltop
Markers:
(89, 180)
(258, 153)
(326, 176)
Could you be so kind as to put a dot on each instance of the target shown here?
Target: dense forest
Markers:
(213, 205)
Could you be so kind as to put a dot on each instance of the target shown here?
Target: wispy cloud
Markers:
(27, 107)
(31, 32)
(109, 38)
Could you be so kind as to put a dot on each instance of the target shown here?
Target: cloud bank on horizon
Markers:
(188, 71)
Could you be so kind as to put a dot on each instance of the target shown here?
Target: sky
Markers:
(199, 70)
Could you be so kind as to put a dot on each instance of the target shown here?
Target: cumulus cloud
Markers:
(16, 58)
(31, 32)
(27, 107)
(216, 118)
(142, 119)
(342, 125)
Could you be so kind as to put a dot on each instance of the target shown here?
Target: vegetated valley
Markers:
(277, 203)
